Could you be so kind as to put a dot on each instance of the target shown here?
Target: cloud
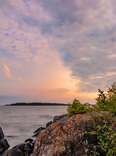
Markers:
(85, 43)
(43, 41)
(7, 71)
(9, 75)
(85, 59)
(20, 79)
(112, 56)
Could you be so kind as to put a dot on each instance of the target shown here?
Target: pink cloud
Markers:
(20, 79)
(7, 71)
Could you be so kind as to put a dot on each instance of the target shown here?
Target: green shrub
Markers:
(106, 135)
(104, 127)
(106, 100)
(77, 108)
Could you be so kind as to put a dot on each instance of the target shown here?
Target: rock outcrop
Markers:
(65, 137)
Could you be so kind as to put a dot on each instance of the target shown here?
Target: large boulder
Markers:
(65, 137)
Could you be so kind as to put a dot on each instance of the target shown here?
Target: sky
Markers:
(57, 50)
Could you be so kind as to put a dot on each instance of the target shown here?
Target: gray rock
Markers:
(20, 150)
(1, 133)
(49, 123)
(37, 131)
(3, 142)
(14, 152)
(56, 118)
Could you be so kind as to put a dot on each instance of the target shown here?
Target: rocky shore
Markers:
(76, 135)
(25, 148)
(64, 136)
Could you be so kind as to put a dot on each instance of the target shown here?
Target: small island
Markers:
(37, 104)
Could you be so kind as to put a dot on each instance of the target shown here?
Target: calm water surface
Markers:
(19, 122)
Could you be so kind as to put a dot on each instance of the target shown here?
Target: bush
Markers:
(77, 108)
(104, 123)
(105, 133)
(106, 100)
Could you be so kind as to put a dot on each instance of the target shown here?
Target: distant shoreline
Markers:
(37, 104)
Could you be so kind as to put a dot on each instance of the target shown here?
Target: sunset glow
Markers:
(57, 50)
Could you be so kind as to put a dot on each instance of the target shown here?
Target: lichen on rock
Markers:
(64, 137)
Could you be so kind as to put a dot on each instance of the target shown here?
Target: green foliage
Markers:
(104, 127)
(105, 133)
(77, 108)
(106, 100)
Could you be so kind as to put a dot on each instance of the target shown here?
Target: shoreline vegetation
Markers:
(37, 104)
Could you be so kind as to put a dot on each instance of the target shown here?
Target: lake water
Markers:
(19, 122)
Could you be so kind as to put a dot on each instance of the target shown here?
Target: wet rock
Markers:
(29, 140)
(37, 131)
(21, 149)
(29, 145)
(49, 123)
(14, 152)
(56, 118)
(1, 133)
(3, 142)
(3, 145)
